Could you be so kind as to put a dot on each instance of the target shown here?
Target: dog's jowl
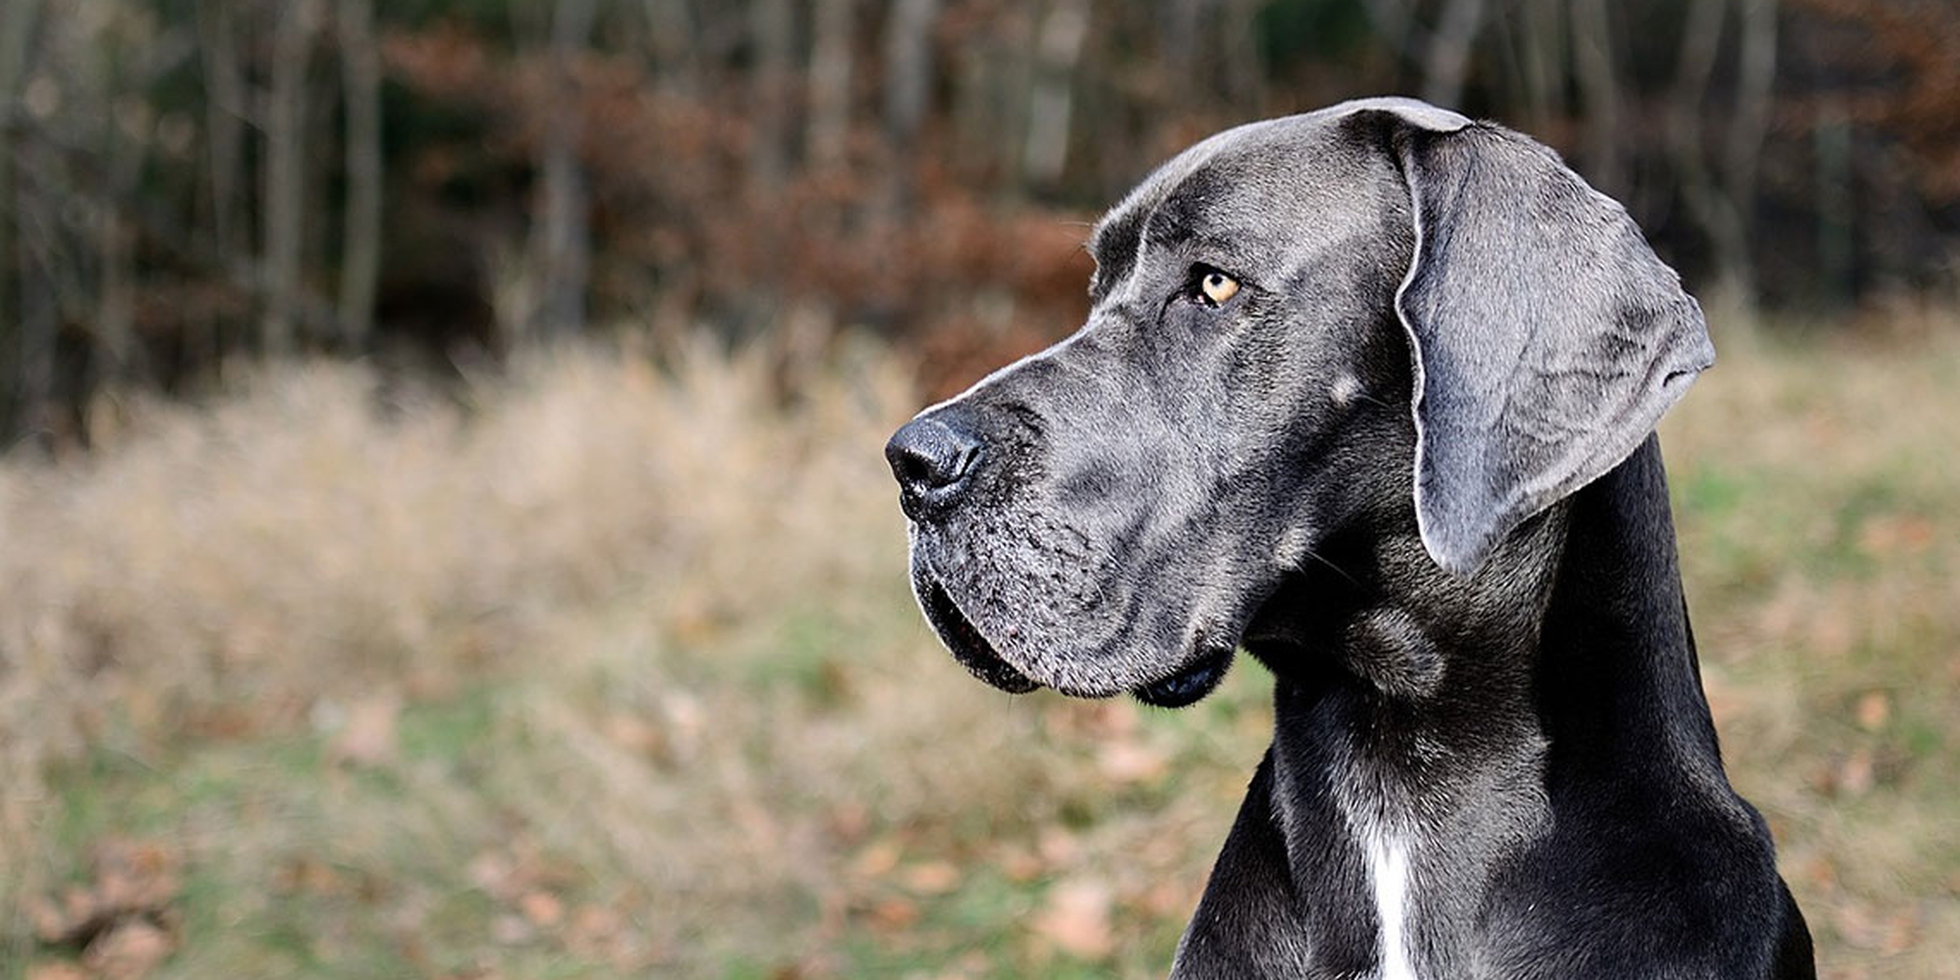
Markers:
(1369, 394)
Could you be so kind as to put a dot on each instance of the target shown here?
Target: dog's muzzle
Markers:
(935, 459)
(969, 647)
(1190, 683)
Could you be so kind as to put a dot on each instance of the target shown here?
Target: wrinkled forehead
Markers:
(1214, 192)
(1245, 193)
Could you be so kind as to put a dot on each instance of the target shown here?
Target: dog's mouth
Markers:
(969, 647)
(1190, 683)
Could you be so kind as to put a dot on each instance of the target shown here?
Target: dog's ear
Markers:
(1548, 338)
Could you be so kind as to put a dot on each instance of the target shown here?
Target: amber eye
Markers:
(1218, 287)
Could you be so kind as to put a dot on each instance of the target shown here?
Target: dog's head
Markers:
(1381, 316)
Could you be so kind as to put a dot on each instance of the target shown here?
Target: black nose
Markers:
(932, 461)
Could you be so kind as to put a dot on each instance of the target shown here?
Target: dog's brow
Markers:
(1114, 247)
(1169, 224)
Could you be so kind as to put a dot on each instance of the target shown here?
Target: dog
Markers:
(1370, 393)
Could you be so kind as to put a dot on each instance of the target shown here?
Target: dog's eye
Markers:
(1216, 287)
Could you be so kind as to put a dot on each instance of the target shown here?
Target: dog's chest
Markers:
(1388, 873)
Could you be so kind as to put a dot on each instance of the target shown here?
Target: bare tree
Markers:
(908, 81)
(1058, 47)
(1722, 201)
(675, 36)
(1447, 62)
(125, 138)
(563, 236)
(773, 25)
(1711, 209)
(1592, 55)
(830, 82)
(1834, 149)
(1244, 62)
(1545, 53)
(225, 110)
(38, 314)
(360, 265)
(285, 174)
(1743, 153)
(1393, 22)
(1180, 23)
(18, 22)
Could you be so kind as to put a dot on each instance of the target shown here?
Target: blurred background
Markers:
(442, 524)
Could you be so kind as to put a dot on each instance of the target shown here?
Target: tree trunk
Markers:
(1058, 46)
(360, 264)
(1542, 58)
(908, 82)
(1592, 54)
(1832, 148)
(37, 314)
(830, 83)
(1241, 51)
(1180, 23)
(675, 38)
(565, 243)
(125, 139)
(1756, 76)
(772, 24)
(1447, 63)
(285, 175)
(17, 30)
(225, 109)
(1707, 204)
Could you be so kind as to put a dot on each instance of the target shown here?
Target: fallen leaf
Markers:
(894, 914)
(1890, 534)
(1128, 761)
(1021, 866)
(1723, 702)
(367, 735)
(135, 875)
(542, 908)
(308, 875)
(493, 872)
(1855, 774)
(849, 821)
(1169, 897)
(931, 878)
(1076, 919)
(876, 860)
(1864, 927)
(1820, 873)
(593, 928)
(1058, 847)
(511, 930)
(129, 951)
(635, 735)
(131, 879)
(56, 970)
(1874, 708)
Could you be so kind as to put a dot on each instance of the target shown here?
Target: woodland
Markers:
(436, 183)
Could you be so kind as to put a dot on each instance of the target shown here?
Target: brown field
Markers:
(609, 669)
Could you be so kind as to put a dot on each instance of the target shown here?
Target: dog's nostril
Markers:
(912, 469)
(928, 455)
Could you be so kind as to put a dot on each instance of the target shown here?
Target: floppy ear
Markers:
(1548, 338)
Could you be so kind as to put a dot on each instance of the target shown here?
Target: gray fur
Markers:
(1409, 466)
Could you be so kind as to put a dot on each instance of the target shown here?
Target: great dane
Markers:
(1370, 393)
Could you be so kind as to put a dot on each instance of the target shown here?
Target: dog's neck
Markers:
(1425, 725)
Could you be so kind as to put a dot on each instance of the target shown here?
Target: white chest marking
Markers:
(1388, 866)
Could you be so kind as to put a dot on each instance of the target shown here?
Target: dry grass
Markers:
(615, 671)
(1818, 496)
